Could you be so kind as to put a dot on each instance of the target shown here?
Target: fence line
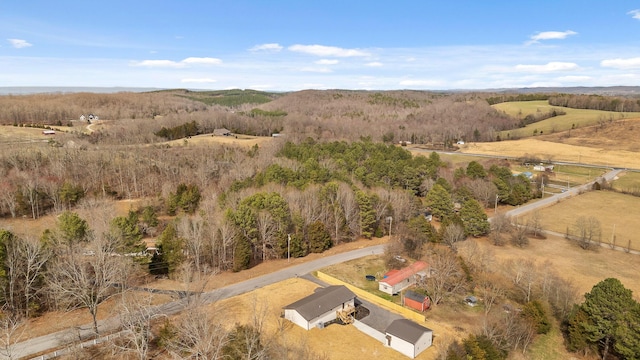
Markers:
(409, 314)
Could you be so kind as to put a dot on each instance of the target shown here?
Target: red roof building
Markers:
(402, 279)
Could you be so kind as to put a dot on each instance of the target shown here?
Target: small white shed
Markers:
(408, 338)
(320, 307)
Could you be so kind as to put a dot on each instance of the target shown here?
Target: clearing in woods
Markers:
(574, 118)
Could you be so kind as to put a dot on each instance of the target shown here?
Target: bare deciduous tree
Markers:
(87, 278)
(25, 259)
(12, 327)
(500, 225)
(198, 334)
(587, 231)
(452, 234)
(448, 277)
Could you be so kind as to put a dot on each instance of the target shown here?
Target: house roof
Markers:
(322, 301)
(405, 273)
(407, 330)
(414, 296)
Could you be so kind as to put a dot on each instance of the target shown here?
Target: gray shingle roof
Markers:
(414, 296)
(406, 330)
(323, 300)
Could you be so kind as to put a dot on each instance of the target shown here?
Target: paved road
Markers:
(63, 338)
(521, 210)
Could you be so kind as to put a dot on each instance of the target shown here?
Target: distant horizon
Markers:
(287, 45)
(621, 90)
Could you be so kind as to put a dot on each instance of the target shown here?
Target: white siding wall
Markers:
(401, 346)
(296, 318)
(378, 335)
(423, 343)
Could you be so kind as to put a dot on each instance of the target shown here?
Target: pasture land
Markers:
(552, 151)
(628, 182)
(618, 215)
(574, 118)
(584, 268)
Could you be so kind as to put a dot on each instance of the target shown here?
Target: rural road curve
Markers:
(60, 339)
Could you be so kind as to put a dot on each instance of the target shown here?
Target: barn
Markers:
(416, 301)
(221, 132)
(325, 305)
(407, 337)
(399, 280)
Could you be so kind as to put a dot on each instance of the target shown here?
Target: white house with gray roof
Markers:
(408, 338)
(320, 307)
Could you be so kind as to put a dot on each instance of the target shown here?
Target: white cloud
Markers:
(178, 64)
(271, 47)
(321, 50)
(634, 14)
(548, 67)
(158, 63)
(374, 64)
(19, 43)
(202, 60)
(316, 69)
(420, 83)
(326, 62)
(630, 63)
(550, 35)
(198, 80)
(574, 78)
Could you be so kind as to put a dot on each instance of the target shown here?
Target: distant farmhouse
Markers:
(89, 118)
(397, 280)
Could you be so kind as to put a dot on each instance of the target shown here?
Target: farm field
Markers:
(628, 182)
(573, 118)
(610, 208)
(552, 151)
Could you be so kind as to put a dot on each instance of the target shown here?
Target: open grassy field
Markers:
(552, 151)
(628, 182)
(610, 208)
(573, 118)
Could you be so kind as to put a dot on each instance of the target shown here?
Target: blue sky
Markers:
(286, 45)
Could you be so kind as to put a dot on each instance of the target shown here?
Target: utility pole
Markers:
(390, 218)
(288, 247)
(495, 209)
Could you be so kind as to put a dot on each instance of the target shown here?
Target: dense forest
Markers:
(336, 175)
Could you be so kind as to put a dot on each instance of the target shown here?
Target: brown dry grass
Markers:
(335, 341)
(208, 139)
(547, 150)
(55, 321)
(617, 135)
(584, 268)
(610, 208)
